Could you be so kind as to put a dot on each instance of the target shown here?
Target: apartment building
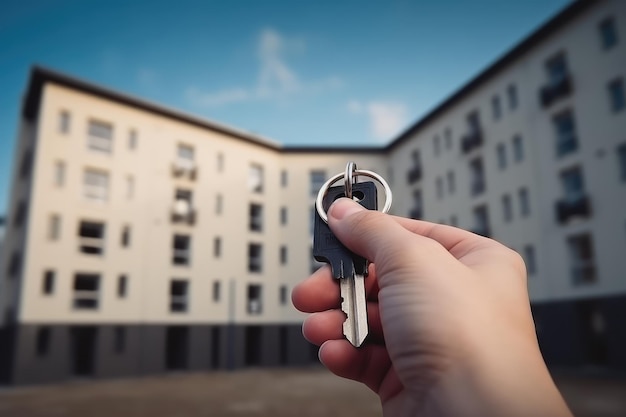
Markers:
(141, 239)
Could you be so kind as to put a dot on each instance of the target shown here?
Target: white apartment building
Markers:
(141, 239)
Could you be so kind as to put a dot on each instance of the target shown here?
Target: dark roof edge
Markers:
(559, 20)
(39, 76)
(331, 149)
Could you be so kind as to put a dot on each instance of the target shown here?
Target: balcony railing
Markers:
(414, 175)
(584, 273)
(183, 167)
(189, 215)
(566, 144)
(471, 140)
(555, 91)
(569, 208)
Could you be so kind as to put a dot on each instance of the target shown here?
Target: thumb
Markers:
(372, 234)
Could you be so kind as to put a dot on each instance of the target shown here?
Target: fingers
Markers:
(328, 325)
(320, 292)
(368, 364)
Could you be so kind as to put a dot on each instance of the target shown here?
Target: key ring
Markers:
(350, 177)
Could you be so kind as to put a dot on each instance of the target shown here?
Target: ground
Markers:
(280, 392)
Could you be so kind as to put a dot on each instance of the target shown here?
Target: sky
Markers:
(300, 73)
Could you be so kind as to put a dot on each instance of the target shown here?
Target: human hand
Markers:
(451, 332)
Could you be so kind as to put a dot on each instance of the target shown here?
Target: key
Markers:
(348, 267)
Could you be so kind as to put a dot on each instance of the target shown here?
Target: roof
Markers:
(40, 76)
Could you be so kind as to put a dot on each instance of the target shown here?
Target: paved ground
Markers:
(277, 393)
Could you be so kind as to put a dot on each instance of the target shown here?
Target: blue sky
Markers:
(324, 72)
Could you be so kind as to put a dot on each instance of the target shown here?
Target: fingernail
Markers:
(344, 207)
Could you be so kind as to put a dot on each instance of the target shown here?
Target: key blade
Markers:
(354, 305)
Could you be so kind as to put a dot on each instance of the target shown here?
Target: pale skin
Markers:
(451, 331)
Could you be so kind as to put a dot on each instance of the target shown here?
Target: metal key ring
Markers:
(349, 179)
(357, 172)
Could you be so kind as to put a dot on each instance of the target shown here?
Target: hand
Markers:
(451, 331)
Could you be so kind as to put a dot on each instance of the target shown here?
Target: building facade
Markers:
(141, 239)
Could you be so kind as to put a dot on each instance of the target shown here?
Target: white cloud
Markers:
(385, 118)
(275, 79)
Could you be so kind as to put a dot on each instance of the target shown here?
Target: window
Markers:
(416, 211)
(507, 208)
(621, 160)
(59, 173)
(255, 257)
(529, 258)
(64, 122)
(518, 148)
(582, 259)
(415, 172)
(119, 339)
(255, 301)
(125, 240)
(256, 217)
(219, 204)
(100, 136)
(312, 215)
(220, 162)
(481, 221)
(283, 216)
(217, 247)
(566, 141)
(616, 95)
(439, 187)
(451, 182)
(284, 179)
(255, 178)
(318, 178)
(15, 265)
(556, 68)
(86, 289)
(122, 284)
(181, 250)
(447, 135)
(572, 182)
(130, 187)
(283, 295)
(454, 221)
(511, 93)
(47, 287)
(524, 202)
(43, 341)
(501, 154)
(184, 157)
(20, 214)
(27, 164)
(496, 107)
(132, 140)
(608, 33)
(96, 185)
(217, 287)
(283, 255)
(437, 145)
(91, 238)
(477, 175)
(179, 290)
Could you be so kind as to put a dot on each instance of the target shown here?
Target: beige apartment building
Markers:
(140, 239)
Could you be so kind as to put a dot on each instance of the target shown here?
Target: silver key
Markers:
(354, 305)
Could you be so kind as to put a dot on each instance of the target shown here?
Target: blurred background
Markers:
(159, 162)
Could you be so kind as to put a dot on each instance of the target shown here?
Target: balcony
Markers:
(555, 91)
(472, 140)
(584, 273)
(568, 208)
(566, 144)
(414, 175)
(184, 168)
(182, 212)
